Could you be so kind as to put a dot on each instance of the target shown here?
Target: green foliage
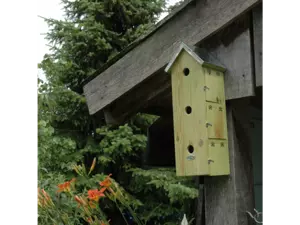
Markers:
(119, 145)
(91, 34)
(175, 193)
(69, 203)
(178, 189)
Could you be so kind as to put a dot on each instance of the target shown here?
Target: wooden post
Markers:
(257, 42)
(200, 213)
(227, 198)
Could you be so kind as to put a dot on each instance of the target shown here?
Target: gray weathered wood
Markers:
(227, 198)
(231, 46)
(196, 22)
(139, 98)
(257, 41)
(112, 119)
(200, 219)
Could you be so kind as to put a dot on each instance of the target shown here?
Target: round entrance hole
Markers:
(188, 109)
(186, 71)
(190, 148)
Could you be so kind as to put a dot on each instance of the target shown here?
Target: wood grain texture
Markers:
(216, 116)
(257, 42)
(209, 155)
(232, 47)
(196, 22)
(139, 98)
(189, 128)
(228, 197)
(200, 213)
(150, 95)
(218, 153)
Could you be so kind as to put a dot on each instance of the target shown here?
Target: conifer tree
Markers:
(93, 32)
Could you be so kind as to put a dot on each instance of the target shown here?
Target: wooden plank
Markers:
(232, 47)
(257, 42)
(218, 152)
(196, 22)
(217, 119)
(200, 212)
(148, 95)
(188, 93)
(215, 83)
(138, 98)
(227, 198)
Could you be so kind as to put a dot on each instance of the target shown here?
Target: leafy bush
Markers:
(92, 33)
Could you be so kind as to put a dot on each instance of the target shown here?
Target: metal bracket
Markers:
(210, 161)
(208, 124)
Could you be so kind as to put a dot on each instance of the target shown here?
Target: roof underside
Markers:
(139, 66)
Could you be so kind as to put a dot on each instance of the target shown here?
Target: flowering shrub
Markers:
(70, 206)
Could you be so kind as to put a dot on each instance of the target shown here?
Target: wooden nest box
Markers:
(199, 112)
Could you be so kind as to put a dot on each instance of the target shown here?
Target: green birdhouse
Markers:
(199, 113)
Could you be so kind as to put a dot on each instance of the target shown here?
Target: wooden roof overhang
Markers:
(135, 80)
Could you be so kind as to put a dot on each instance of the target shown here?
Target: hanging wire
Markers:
(256, 216)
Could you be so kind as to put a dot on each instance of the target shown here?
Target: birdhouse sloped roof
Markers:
(200, 55)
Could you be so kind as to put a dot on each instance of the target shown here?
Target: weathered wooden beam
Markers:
(257, 42)
(200, 212)
(196, 22)
(138, 99)
(111, 119)
(231, 47)
(228, 198)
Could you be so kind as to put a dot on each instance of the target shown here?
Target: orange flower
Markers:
(106, 182)
(65, 187)
(95, 194)
(102, 190)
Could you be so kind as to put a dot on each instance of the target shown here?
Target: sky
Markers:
(53, 9)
